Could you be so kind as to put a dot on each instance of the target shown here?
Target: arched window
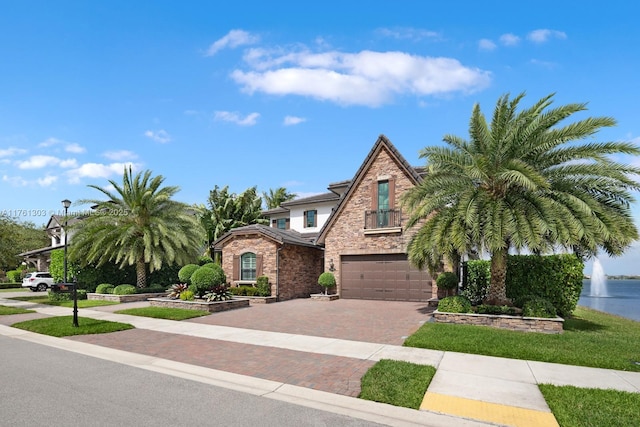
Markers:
(248, 266)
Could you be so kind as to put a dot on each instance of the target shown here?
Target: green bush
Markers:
(557, 278)
(14, 276)
(538, 307)
(218, 293)
(210, 265)
(238, 290)
(455, 304)
(175, 291)
(153, 289)
(124, 290)
(263, 287)
(447, 281)
(477, 281)
(327, 280)
(10, 285)
(205, 278)
(185, 273)
(67, 296)
(204, 260)
(104, 288)
(187, 295)
(251, 291)
(495, 309)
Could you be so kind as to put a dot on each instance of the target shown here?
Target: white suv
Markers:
(37, 281)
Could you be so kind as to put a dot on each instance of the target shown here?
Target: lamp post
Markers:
(66, 203)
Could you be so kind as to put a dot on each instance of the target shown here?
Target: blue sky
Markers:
(280, 93)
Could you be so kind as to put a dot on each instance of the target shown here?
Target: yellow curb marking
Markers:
(485, 411)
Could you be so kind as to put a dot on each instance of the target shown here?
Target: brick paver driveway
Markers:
(385, 322)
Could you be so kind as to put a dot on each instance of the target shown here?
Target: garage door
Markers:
(383, 277)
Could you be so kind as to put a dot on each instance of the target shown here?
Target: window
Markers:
(310, 218)
(383, 203)
(248, 266)
(281, 223)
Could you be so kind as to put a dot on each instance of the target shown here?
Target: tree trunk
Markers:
(497, 287)
(141, 273)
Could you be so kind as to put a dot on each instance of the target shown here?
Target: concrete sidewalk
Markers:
(473, 388)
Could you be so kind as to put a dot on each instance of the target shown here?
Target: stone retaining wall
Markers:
(123, 298)
(514, 323)
(211, 307)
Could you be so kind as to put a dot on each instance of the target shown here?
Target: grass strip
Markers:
(62, 326)
(164, 313)
(82, 303)
(584, 407)
(397, 383)
(590, 338)
(4, 310)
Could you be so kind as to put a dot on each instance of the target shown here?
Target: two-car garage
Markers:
(383, 277)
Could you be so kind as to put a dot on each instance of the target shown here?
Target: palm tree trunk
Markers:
(497, 288)
(141, 273)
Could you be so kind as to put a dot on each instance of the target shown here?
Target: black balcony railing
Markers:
(384, 218)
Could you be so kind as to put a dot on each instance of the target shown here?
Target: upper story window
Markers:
(310, 218)
(248, 266)
(281, 223)
(383, 203)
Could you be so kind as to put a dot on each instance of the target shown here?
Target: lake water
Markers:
(623, 298)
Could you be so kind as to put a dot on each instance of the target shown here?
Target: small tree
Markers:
(327, 280)
(447, 281)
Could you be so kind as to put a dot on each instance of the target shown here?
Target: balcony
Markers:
(382, 221)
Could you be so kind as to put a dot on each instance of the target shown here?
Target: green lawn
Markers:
(4, 310)
(164, 312)
(62, 326)
(82, 303)
(580, 407)
(590, 338)
(396, 383)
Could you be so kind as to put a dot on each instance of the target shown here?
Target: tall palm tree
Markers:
(523, 182)
(138, 225)
(277, 196)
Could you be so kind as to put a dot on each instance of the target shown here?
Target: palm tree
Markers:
(276, 197)
(138, 225)
(523, 182)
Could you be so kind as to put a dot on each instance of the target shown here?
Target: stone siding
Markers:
(211, 307)
(346, 235)
(513, 323)
(300, 268)
(259, 246)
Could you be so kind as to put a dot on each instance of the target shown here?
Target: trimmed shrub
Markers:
(124, 290)
(153, 289)
(455, 304)
(187, 295)
(14, 276)
(538, 307)
(185, 273)
(204, 260)
(205, 278)
(67, 296)
(477, 281)
(237, 290)
(262, 286)
(210, 265)
(495, 309)
(447, 281)
(327, 280)
(104, 288)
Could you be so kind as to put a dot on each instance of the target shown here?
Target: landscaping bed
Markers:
(261, 300)
(211, 307)
(124, 298)
(552, 325)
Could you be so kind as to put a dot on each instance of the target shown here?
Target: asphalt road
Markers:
(45, 386)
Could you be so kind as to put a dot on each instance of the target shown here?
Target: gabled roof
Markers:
(58, 221)
(277, 235)
(381, 143)
(324, 197)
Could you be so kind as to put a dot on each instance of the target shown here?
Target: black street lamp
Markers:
(66, 203)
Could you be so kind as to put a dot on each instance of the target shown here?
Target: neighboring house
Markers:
(356, 231)
(41, 258)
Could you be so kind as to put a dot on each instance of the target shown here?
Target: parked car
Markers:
(37, 281)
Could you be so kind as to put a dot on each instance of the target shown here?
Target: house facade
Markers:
(55, 229)
(355, 231)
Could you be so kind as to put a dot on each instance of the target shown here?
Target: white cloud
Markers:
(98, 170)
(161, 136)
(407, 33)
(120, 155)
(509, 39)
(16, 181)
(40, 161)
(74, 148)
(232, 39)
(11, 151)
(47, 180)
(49, 142)
(486, 44)
(544, 35)
(364, 78)
(227, 116)
(293, 120)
